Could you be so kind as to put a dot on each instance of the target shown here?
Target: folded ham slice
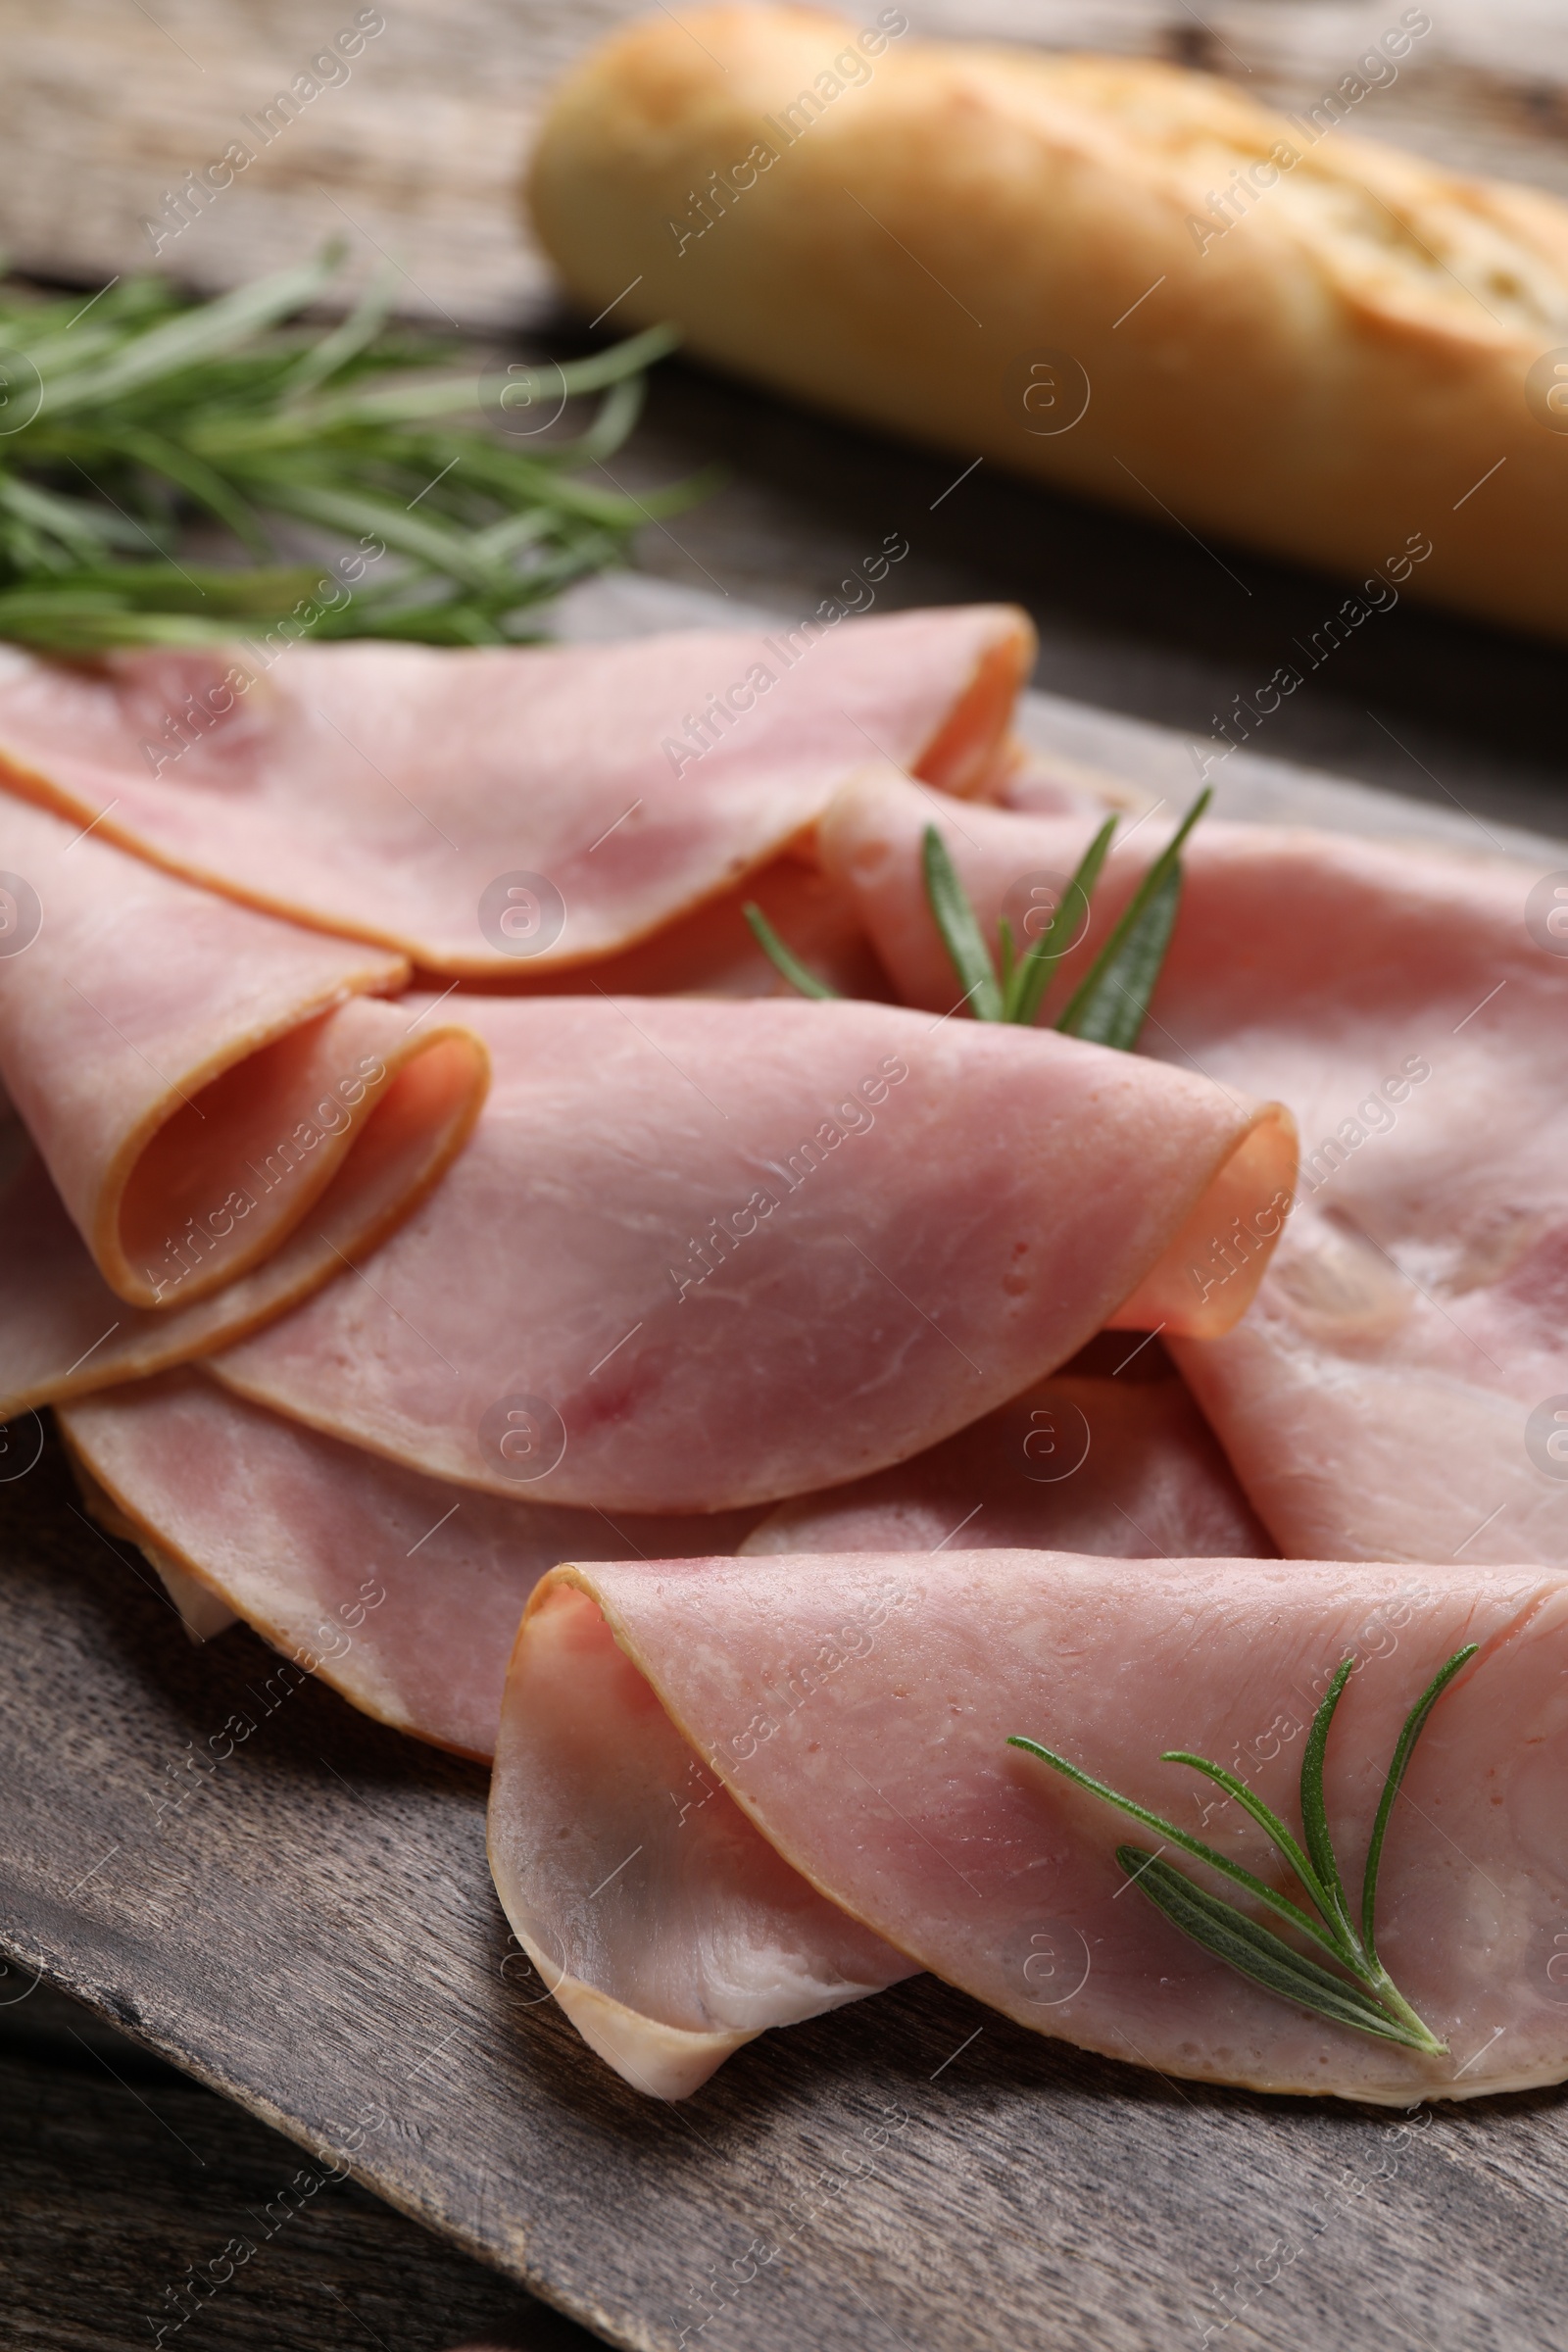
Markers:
(1393, 1393)
(196, 1075)
(481, 809)
(731, 1793)
(1113, 1464)
(700, 1255)
(402, 1595)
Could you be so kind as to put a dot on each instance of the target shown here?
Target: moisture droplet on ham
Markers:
(1120, 1466)
(196, 1075)
(733, 1793)
(400, 1594)
(702, 1256)
(1377, 1400)
(380, 790)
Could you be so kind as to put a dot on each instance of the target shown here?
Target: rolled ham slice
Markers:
(731, 1793)
(400, 1594)
(478, 810)
(704, 1255)
(1111, 1464)
(65, 1333)
(1394, 1391)
(196, 1075)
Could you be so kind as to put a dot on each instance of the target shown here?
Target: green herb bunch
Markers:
(128, 418)
(1111, 1003)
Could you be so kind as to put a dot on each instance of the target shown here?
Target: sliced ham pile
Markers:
(430, 1182)
(1112, 1457)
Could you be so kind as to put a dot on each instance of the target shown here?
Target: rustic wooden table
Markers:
(117, 2172)
(1077, 2205)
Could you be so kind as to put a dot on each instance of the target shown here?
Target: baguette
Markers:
(1112, 275)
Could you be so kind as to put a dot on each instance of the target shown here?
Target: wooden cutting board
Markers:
(293, 1904)
(309, 1926)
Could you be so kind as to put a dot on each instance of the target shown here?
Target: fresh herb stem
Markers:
(960, 930)
(781, 958)
(156, 412)
(1372, 2003)
(1112, 1005)
(1007, 960)
(1038, 968)
(1415, 1723)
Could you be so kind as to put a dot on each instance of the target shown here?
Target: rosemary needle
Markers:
(783, 958)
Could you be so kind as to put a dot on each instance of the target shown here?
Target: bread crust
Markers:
(1339, 377)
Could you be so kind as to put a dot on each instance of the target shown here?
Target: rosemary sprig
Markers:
(1371, 2002)
(1110, 1005)
(145, 412)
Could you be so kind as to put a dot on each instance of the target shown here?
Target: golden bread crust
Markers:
(1325, 378)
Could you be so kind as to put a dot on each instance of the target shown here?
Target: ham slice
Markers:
(398, 793)
(669, 1931)
(1392, 1393)
(196, 1075)
(732, 1793)
(400, 1594)
(202, 1611)
(704, 1255)
(712, 951)
(1113, 1464)
(65, 1333)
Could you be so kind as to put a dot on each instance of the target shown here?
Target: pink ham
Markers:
(201, 1608)
(702, 1256)
(195, 1076)
(400, 1594)
(384, 791)
(1111, 1464)
(65, 1333)
(729, 1794)
(712, 951)
(1393, 1393)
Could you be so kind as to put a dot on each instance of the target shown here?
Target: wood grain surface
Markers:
(118, 2174)
(415, 146)
(310, 1928)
